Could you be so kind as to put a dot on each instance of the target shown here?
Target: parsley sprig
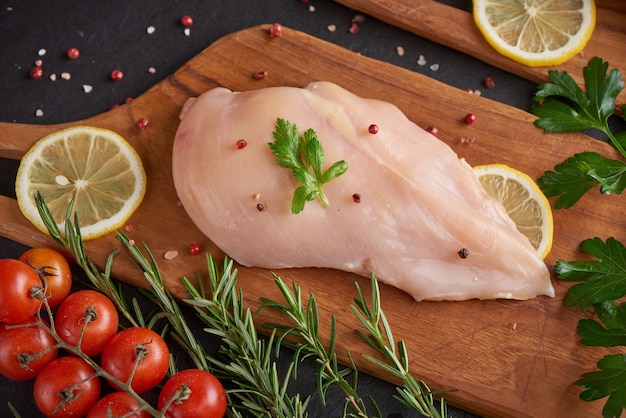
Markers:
(304, 156)
(562, 106)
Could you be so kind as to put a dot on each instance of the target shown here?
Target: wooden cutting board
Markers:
(455, 28)
(505, 358)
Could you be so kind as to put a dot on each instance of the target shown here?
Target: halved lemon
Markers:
(536, 32)
(96, 166)
(525, 203)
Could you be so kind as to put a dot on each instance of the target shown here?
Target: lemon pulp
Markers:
(95, 166)
(536, 32)
(523, 200)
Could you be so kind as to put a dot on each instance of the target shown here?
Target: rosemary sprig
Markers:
(305, 327)
(72, 240)
(414, 395)
(245, 358)
(179, 329)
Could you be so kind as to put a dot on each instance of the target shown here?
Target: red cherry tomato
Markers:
(117, 404)
(58, 390)
(91, 306)
(207, 398)
(57, 272)
(25, 350)
(119, 357)
(18, 284)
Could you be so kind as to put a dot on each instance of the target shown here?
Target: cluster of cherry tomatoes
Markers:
(81, 341)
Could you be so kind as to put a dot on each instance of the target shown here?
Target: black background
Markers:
(113, 35)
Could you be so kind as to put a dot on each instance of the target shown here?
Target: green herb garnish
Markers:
(304, 156)
(562, 106)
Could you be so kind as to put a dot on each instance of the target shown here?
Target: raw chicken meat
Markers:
(423, 224)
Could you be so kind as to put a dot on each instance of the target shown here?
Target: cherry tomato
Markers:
(25, 350)
(119, 357)
(58, 390)
(18, 285)
(116, 404)
(57, 272)
(100, 314)
(207, 398)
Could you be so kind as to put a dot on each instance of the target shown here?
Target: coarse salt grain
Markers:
(400, 50)
(39, 112)
(311, 8)
(434, 67)
(152, 70)
(41, 52)
(87, 88)
(187, 31)
(66, 76)
(331, 28)
(171, 254)
(53, 77)
(150, 30)
(38, 63)
(421, 60)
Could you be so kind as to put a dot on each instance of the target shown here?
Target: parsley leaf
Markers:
(603, 279)
(609, 381)
(304, 156)
(571, 179)
(579, 110)
(562, 106)
(610, 331)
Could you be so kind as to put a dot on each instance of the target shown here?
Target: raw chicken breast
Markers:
(419, 203)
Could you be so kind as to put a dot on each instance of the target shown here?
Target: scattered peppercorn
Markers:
(276, 30)
(116, 75)
(36, 72)
(73, 53)
(194, 249)
(470, 118)
(489, 82)
(241, 144)
(260, 74)
(260, 207)
(356, 198)
(432, 130)
(186, 21)
(373, 129)
(142, 123)
(463, 253)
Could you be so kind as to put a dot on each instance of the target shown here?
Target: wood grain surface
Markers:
(504, 358)
(455, 28)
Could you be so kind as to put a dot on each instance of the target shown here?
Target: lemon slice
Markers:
(95, 165)
(525, 203)
(536, 32)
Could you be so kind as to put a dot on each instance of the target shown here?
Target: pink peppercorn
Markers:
(356, 198)
(241, 144)
(373, 129)
(275, 30)
(354, 28)
(489, 82)
(194, 249)
(73, 53)
(117, 75)
(470, 118)
(36, 72)
(433, 130)
(260, 74)
(142, 123)
(186, 21)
